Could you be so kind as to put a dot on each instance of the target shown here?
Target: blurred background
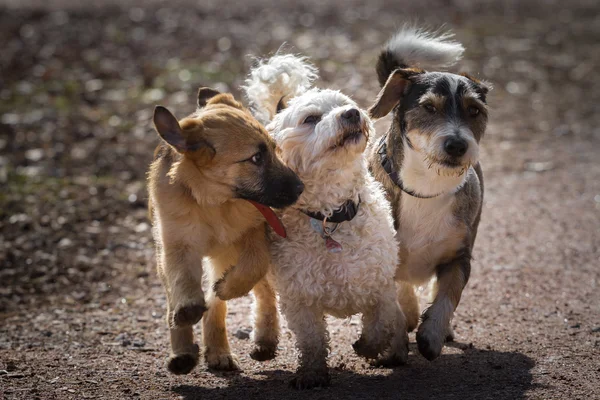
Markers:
(80, 303)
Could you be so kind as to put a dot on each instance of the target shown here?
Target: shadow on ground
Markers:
(475, 374)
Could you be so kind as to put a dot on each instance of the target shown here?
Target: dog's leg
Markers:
(181, 273)
(251, 267)
(266, 322)
(451, 279)
(384, 327)
(184, 352)
(409, 303)
(214, 334)
(312, 341)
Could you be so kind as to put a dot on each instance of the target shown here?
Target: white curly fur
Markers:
(283, 76)
(311, 281)
(417, 47)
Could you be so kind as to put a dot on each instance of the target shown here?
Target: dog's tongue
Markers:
(271, 218)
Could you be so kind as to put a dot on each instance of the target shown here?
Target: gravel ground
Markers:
(80, 304)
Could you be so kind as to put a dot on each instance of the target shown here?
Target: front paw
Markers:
(221, 361)
(365, 349)
(308, 379)
(264, 351)
(228, 287)
(430, 339)
(187, 315)
(180, 364)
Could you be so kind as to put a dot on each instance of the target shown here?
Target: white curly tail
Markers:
(273, 82)
(415, 47)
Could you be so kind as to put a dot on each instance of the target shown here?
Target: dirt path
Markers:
(81, 308)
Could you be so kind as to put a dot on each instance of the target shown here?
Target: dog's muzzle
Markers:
(352, 126)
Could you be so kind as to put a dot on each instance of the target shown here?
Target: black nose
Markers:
(299, 189)
(351, 115)
(456, 147)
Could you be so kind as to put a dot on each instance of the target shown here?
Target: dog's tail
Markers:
(276, 80)
(415, 47)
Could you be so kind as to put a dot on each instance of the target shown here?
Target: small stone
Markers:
(242, 333)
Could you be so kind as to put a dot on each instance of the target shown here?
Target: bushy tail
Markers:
(274, 81)
(415, 47)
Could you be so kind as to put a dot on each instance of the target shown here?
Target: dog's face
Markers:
(228, 147)
(442, 115)
(320, 130)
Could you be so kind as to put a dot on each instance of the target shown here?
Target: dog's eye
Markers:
(257, 159)
(312, 119)
(473, 111)
(429, 107)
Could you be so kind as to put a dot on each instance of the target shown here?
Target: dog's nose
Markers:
(351, 115)
(299, 189)
(455, 146)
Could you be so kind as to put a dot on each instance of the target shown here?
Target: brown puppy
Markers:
(209, 164)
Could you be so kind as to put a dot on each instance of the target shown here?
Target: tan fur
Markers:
(200, 226)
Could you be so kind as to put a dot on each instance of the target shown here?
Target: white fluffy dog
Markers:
(346, 264)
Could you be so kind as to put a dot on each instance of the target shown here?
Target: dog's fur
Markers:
(327, 153)
(206, 167)
(437, 116)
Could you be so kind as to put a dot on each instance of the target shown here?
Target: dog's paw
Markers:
(222, 361)
(308, 379)
(396, 356)
(181, 364)
(264, 351)
(187, 315)
(228, 287)
(430, 340)
(365, 349)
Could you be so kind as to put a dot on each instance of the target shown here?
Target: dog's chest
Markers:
(428, 234)
(342, 283)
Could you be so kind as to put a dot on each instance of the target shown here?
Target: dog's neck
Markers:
(421, 178)
(328, 190)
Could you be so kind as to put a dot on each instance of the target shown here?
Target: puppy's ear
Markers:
(481, 87)
(392, 92)
(205, 94)
(168, 128)
(186, 141)
(225, 98)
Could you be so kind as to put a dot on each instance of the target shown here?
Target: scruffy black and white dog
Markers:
(428, 162)
(340, 254)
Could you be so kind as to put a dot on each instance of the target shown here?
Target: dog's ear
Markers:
(481, 87)
(392, 92)
(205, 94)
(168, 128)
(185, 141)
(225, 98)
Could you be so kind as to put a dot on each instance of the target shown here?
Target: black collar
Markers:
(346, 212)
(388, 166)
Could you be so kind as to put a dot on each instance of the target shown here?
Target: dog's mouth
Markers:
(349, 137)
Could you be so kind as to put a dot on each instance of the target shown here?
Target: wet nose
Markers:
(299, 189)
(455, 146)
(351, 115)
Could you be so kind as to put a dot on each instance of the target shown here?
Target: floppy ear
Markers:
(205, 94)
(168, 128)
(392, 92)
